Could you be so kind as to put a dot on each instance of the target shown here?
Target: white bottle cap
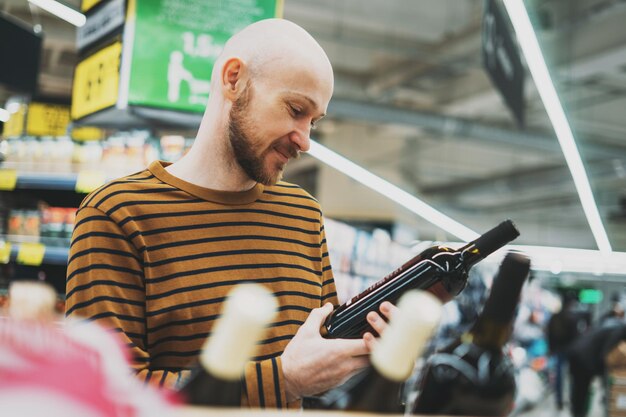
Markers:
(406, 335)
(31, 300)
(247, 311)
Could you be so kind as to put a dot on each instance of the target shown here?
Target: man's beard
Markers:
(245, 146)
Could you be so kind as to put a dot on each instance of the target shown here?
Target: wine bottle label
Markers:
(407, 334)
(247, 311)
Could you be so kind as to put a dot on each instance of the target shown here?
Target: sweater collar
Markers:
(157, 168)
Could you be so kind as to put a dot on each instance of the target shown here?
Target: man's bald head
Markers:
(271, 45)
(269, 87)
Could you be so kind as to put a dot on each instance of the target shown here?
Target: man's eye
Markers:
(295, 111)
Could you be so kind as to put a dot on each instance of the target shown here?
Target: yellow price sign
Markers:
(88, 4)
(96, 81)
(8, 179)
(45, 119)
(88, 181)
(5, 252)
(87, 133)
(30, 254)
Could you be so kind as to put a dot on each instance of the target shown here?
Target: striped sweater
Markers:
(153, 257)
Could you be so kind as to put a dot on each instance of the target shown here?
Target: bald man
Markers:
(155, 253)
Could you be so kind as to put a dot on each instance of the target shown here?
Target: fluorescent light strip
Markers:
(558, 260)
(62, 11)
(391, 191)
(539, 71)
(4, 115)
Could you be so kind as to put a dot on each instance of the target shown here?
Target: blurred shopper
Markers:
(615, 315)
(587, 356)
(154, 254)
(563, 329)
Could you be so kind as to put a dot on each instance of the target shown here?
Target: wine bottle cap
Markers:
(407, 334)
(31, 300)
(496, 238)
(247, 311)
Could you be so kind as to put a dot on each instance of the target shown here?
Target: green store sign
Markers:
(176, 43)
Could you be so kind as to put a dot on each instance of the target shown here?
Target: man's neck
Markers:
(209, 165)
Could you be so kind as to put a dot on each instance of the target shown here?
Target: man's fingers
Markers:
(377, 322)
(388, 309)
(370, 341)
(350, 347)
(317, 317)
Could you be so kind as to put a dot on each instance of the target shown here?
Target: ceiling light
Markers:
(539, 71)
(559, 260)
(391, 191)
(582, 261)
(62, 11)
(4, 115)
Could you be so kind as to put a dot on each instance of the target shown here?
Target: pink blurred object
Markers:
(74, 369)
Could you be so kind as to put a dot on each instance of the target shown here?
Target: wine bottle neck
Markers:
(471, 255)
(493, 327)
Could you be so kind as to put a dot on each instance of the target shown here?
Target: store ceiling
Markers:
(413, 104)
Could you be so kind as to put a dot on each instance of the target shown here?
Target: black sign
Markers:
(20, 53)
(501, 59)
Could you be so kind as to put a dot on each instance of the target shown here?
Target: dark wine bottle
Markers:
(378, 388)
(472, 376)
(440, 270)
(216, 381)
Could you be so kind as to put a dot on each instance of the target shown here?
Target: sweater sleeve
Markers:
(264, 386)
(329, 290)
(105, 284)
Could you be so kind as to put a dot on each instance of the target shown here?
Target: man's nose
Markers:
(301, 139)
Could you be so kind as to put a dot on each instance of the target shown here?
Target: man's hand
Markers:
(312, 364)
(378, 323)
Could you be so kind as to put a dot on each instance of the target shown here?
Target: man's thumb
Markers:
(318, 315)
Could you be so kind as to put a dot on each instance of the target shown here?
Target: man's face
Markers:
(271, 121)
(250, 149)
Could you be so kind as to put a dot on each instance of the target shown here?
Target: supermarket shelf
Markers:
(134, 117)
(53, 255)
(83, 181)
(46, 181)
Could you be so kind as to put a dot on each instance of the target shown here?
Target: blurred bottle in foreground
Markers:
(378, 389)
(216, 381)
(473, 376)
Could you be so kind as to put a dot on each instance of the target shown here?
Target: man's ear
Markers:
(233, 78)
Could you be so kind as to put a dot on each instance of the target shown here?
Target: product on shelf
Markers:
(119, 154)
(57, 222)
(24, 223)
(172, 147)
(440, 270)
(473, 376)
